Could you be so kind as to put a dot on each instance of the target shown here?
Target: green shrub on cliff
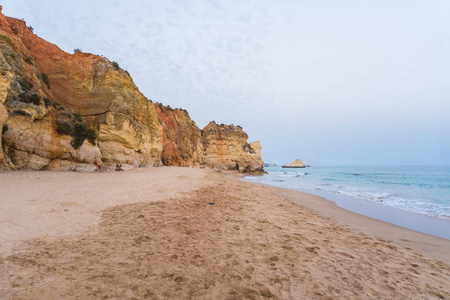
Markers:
(35, 99)
(25, 84)
(72, 124)
(50, 103)
(29, 98)
(29, 60)
(82, 132)
(64, 129)
(19, 112)
(45, 79)
(4, 129)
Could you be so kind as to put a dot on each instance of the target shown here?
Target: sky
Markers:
(329, 82)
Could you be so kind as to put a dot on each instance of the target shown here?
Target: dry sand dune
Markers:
(251, 244)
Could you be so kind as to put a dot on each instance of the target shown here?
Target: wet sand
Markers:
(152, 233)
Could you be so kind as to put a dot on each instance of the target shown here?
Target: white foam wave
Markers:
(395, 198)
(417, 205)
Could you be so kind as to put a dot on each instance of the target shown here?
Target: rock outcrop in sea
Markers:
(296, 164)
(80, 111)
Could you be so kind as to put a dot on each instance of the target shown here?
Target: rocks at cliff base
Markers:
(34, 144)
(296, 164)
(80, 111)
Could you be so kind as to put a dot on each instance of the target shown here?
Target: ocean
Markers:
(421, 191)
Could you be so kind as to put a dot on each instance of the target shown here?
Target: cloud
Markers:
(339, 82)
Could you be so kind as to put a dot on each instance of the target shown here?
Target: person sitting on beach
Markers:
(119, 168)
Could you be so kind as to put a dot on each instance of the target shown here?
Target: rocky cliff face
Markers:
(226, 147)
(29, 119)
(87, 86)
(180, 137)
(82, 112)
(216, 146)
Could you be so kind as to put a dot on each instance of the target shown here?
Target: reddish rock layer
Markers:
(180, 138)
(103, 94)
(80, 111)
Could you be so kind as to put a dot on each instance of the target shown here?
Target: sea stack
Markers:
(296, 164)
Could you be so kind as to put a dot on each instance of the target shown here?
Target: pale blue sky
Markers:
(330, 82)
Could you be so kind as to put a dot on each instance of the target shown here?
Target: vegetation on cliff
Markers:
(61, 110)
(70, 123)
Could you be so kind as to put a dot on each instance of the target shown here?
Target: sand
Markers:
(152, 234)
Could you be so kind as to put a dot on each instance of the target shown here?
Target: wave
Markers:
(421, 192)
(288, 174)
(416, 205)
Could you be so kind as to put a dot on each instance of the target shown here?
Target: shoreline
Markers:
(410, 220)
(425, 243)
(195, 233)
(396, 216)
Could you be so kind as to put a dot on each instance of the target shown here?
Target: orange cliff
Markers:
(180, 138)
(82, 112)
(226, 147)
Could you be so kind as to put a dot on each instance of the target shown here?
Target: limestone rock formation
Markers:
(5, 80)
(29, 119)
(217, 146)
(88, 85)
(226, 147)
(81, 112)
(180, 137)
(296, 164)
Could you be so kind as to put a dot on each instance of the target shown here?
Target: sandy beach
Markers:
(188, 233)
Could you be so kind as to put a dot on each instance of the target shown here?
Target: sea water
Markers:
(424, 191)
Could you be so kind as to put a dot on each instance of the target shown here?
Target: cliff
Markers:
(82, 112)
(30, 119)
(99, 91)
(216, 146)
(226, 147)
(180, 137)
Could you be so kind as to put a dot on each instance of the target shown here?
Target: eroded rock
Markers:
(80, 111)
(226, 147)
